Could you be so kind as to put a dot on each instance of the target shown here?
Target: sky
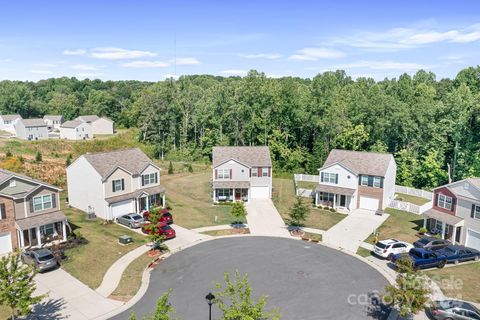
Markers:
(154, 40)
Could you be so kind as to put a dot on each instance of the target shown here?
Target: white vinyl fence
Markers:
(410, 207)
(307, 193)
(414, 192)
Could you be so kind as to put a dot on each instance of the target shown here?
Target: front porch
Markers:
(449, 227)
(42, 230)
(145, 201)
(230, 191)
(334, 197)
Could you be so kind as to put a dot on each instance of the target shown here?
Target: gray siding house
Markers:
(7, 122)
(53, 121)
(241, 173)
(31, 129)
(99, 125)
(111, 184)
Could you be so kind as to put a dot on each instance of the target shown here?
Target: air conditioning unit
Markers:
(125, 239)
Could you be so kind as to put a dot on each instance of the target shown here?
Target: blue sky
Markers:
(151, 40)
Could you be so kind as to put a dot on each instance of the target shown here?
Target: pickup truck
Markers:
(422, 258)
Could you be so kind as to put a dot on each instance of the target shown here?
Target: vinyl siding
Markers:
(117, 175)
(389, 183)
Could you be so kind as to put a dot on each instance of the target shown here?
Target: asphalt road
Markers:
(305, 281)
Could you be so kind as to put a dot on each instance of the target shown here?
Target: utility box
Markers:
(125, 240)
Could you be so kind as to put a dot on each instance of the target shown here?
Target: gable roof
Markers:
(6, 175)
(53, 117)
(9, 117)
(458, 188)
(131, 160)
(33, 122)
(250, 156)
(360, 162)
(71, 124)
(88, 118)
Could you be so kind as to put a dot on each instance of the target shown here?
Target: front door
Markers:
(238, 194)
(342, 200)
(458, 234)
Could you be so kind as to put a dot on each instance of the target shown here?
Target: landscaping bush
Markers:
(326, 208)
(423, 230)
(8, 154)
(38, 157)
(332, 210)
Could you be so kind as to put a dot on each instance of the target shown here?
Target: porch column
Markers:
(334, 200)
(39, 238)
(22, 240)
(425, 222)
(213, 194)
(233, 192)
(164, 200)
(316, 199)
(64, 230)
(443, 229)
(454, 234)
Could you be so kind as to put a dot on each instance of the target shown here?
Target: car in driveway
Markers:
(431, 243)
(457, 253)
(390, 247)
(42, 259)
(422, 258)
(161, 228)
(132, 220)
(165, 216)
(453, 310)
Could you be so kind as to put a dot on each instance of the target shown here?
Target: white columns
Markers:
(164, 200)
(233, 192)
(39, 238)
(214, 191)
(316, 198)
(22, 240)
(334, 200)
(64, 230)
(454, 234)
(443, 229)
(425, 222)
(147, 201)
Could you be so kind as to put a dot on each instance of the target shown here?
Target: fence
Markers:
(414, 192)
(410, 207)
(306, 193)
(306, 177)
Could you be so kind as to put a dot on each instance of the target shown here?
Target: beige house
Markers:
(53, 121)
(99, 125)
(31, 129)
(76, 130)
(111, 184)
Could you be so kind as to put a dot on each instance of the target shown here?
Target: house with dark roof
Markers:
(76, 130)
(7, 122)
(355, 179)
(115, 183)
(455, 213)
(241, 173)
(53, 121)
(31, 129)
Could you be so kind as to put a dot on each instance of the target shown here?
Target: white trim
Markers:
(232, 159)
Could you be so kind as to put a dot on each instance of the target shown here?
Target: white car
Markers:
(390, 247)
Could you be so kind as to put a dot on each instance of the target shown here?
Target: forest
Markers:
(428, 124)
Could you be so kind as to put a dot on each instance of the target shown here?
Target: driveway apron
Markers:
(263, 219)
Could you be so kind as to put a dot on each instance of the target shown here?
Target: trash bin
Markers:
(125, 239)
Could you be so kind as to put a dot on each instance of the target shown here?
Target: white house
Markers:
(99, 125)
(115, 183)
(53, 121)
(356, 179)
(76, 130)
(31, 129)
(7, 122)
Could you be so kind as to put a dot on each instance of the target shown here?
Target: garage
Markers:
(121, 208)
(473, 239)
(260, 192)
(369, 203)
(5, 243)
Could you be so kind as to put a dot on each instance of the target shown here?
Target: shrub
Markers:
(326, 208)
(170, 167)
(8, 154)
(68, 161)
(38, 157)
(332, 210)
(423, 230)
(190, 168)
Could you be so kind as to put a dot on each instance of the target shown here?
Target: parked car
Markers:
(40, 258)
(131, 220)
(422, 258)
(162, 229)
(457, 253)
(165, 216)
(390, 247)
(431, 243)
(453, 310)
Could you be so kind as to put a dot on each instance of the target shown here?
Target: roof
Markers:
(88, 118)
(250, 156)
(53, 117)
(131, 160)
(33, 122)
(458, 188)
(360, 162)
(5, 175)
(71, 124)
(231, 184)
(445, 217)
(136, 194)
(11, 116)
(41, 219)
(334, 189)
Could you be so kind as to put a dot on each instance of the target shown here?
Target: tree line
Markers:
(428, 124)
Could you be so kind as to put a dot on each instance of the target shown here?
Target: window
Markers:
(118, 185)
(254, 172)
(3, 212)
(264, 172)
(444, 202)
(371, 181)
(224, 194)
(329, 177)
(325, 196)
(475, 211)
(223, 174)
(149, 178)
(42, 202)
(47, 230)
(377, 182)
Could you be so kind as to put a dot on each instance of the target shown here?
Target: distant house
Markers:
(31, 129)
(7, 122)
(76, 130)
(115, 183)
(53, 121)
(354, 179)
(99, 125)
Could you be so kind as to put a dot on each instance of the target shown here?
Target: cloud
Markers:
(314, 54)
(234, 72)
(44, 65)
(185, 61)
(74, 52)
(85, 67)
(83, 75)
(40, 71)
(119, 53)
(270, 56)
(382, 65)
(145, 64)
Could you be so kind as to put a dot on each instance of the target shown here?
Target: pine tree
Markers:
(170, 167)
(298, 213)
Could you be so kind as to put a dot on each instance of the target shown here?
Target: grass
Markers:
(459, 281)
(4, 313)
(307, 185)
(401, 225)
(412, 199)
(313, 236)
(364, 252)
(227, 232)
(284, 198)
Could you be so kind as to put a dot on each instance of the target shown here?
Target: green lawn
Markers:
(412, 199)
(227, 232)
(400, 225)
(307, 185)
(284, 198)
(313, 236)
(364, 252)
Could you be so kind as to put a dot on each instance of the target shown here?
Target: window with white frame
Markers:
(223, 174)
(329, 177)
(325, 196)
(264, 172)
(444, 202)
(254, 172)
(47, 230)
(377, 182)
(364, 180)
(42, 202)
(224, 194)
(476, 212)
(117, 185)
(149, 178)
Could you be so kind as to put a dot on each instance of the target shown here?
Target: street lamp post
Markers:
(210, 298)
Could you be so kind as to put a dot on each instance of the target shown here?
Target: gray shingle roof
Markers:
(33, 122)
(88, 118)
(250, 156)
(71, 124)
(9, 117)
(360, 162)
(41, 219)
(136, 194)
(5, 175)
(53, 117)
(459, 188)
(132, 160)
(231, 184)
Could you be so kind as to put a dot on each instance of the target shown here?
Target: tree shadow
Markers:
(377, 308)
(418, 224)
(48, 309)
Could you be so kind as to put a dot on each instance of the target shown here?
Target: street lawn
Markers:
(89, 262)
(313, 236)
(400, 225)
(409, 198)
(364, 252)
(227, 232)
(284, 198)
(189, 196)
(307, 185)
(459, 281)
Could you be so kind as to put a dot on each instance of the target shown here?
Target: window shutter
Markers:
(472, 213)
(3, 212)
(216, 174)
(113, 186)
(321, 176)
(359, 179)
(143, 180)
(54, 200)
(31, 204)
(250, 172)
(436, 199)
(259, 171)
(156, 177)
(231, 171)
(336, 178)
(123, 184)
(370, 181)
(381, 182)
(269, 171)
(454, 202)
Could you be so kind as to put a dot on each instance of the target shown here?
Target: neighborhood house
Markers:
(111, 184)
(99, 125)
(53, 121)
(76, 130)
(241, 173)
(31, 129)
(7, 122)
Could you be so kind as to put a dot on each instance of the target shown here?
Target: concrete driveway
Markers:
(264, 220)
(349, 233)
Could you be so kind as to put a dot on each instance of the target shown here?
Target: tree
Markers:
(38, 157)
(154, 236)
(163, 309)
(170, 167)
(234, 299)
(298, 213)
(17, 285)
(238, 212)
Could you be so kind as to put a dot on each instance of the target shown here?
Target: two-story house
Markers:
(111, 184)
(53, 121)
(99, 125)
(76, 130)
(456, 212)
(31, 129)
(354, 179)
(7, 122)
(241, 173)
(30, 213)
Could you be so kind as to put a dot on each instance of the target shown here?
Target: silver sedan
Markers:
(132, 220)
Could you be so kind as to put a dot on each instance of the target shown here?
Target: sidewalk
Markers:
(264, 220)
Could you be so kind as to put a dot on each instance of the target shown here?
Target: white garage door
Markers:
(260, 192)
(473, 239)
(369, 203)
(121, 208)
(5, 242)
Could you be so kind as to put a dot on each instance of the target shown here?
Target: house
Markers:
(99, 125)
(241, 173)
(7, 122)
(111, 184)
(455, 212)
(354, 179)
(31, 129)
(76, 130)
(30, 214)
(53, 121)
